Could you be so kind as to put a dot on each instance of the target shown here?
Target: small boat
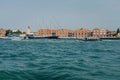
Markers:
(110, 38)
(18, 38)
(2, 37)
(91, 39)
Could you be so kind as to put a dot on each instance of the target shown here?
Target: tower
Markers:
(28, 30)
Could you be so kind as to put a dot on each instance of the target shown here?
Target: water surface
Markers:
(47, 59)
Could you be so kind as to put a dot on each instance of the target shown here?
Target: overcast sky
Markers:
(72, 14)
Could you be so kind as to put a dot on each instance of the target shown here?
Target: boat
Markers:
(16, 38)
(20, 37)
(2, 37)
(110, 38)
(51, 37)
(42, 37)
(35, 37)
(91, 39)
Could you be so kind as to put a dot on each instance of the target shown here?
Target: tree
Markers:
(118, 31)
(9, 32)
(18, 32)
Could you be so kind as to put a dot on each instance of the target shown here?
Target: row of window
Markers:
(99, 33)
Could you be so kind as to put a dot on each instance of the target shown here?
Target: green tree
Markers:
(118, 31)
(9, 32)
(18, 32)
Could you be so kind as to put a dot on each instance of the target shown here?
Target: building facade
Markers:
(112, 33)
(47, 32)
(78, 33)
(56, 32)
(100, 32)
(64, 33)
(2, 32)
(83, 32)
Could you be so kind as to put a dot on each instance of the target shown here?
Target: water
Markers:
(59, 60)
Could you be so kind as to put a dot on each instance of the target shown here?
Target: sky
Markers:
(71, 14)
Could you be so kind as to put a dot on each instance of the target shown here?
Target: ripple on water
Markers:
(59, 60)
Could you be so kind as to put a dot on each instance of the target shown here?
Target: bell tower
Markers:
(28, 30)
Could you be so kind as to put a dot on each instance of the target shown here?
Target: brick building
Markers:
(64, 33)
(100, 32)
(78, 33)
(2, 32)
(82, 33)
(46, 32)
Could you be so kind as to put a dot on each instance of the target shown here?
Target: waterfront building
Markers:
(83, 32)
(2, 32)
(64, 33)
(112, 33)
(100, 32)
(35, 33)
(96, 32)
(104, 33)
(44, 32)
(78, 33)
(47, 32)
(54, 32)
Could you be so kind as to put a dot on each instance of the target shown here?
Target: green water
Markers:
(59, 60)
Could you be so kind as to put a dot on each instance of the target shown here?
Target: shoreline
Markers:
(70, 38)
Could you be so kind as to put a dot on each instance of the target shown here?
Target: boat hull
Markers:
(40, 37)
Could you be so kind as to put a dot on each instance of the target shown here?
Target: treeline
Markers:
(10, 32)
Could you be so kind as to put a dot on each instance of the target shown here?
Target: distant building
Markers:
(28, 32)
(44, 32)
(100, 32)
(96, 32)
(78, 33)
(64, 33)
(112, 34)
(83, 32)
(2, 32)
(54, 32)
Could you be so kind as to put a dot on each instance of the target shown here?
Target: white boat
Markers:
(21, 37)
(16, 39)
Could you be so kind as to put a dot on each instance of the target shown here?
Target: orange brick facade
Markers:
(2, 32)
(100, 32)
(64, 33)
(82, 33)
(46, 32)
